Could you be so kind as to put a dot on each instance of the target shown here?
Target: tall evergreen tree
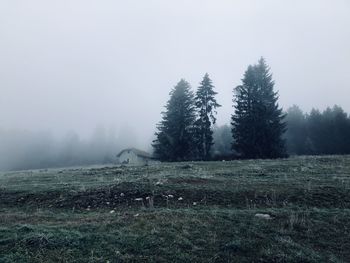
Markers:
(175, 136)
(257, 123)
(206, 105)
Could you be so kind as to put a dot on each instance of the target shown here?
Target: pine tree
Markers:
(257, 123)
(175, 136)
(206, 105)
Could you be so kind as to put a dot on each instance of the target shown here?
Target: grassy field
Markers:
(179, 212)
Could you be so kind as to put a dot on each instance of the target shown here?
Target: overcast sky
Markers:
(75, 64)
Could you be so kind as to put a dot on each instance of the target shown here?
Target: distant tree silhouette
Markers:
(222, 142)
(175, 136)
(296, 134)
(257, 122)
(329, 131)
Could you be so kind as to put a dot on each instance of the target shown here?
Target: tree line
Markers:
(259, 126)
(317, 132)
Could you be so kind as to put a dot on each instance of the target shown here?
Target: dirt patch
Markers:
(194, 180)
(178, 194)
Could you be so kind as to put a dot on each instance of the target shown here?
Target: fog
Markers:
(22, 149)
(97, 74)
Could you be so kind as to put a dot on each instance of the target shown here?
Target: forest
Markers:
(259, 126)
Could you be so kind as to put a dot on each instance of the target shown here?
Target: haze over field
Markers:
(77, 65)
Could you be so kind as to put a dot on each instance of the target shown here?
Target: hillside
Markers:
(179, 212)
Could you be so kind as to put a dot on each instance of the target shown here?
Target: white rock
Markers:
(264, 216)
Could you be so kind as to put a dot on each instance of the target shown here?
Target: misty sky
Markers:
(77, 64)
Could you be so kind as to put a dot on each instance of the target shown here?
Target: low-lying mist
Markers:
(22, 149)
